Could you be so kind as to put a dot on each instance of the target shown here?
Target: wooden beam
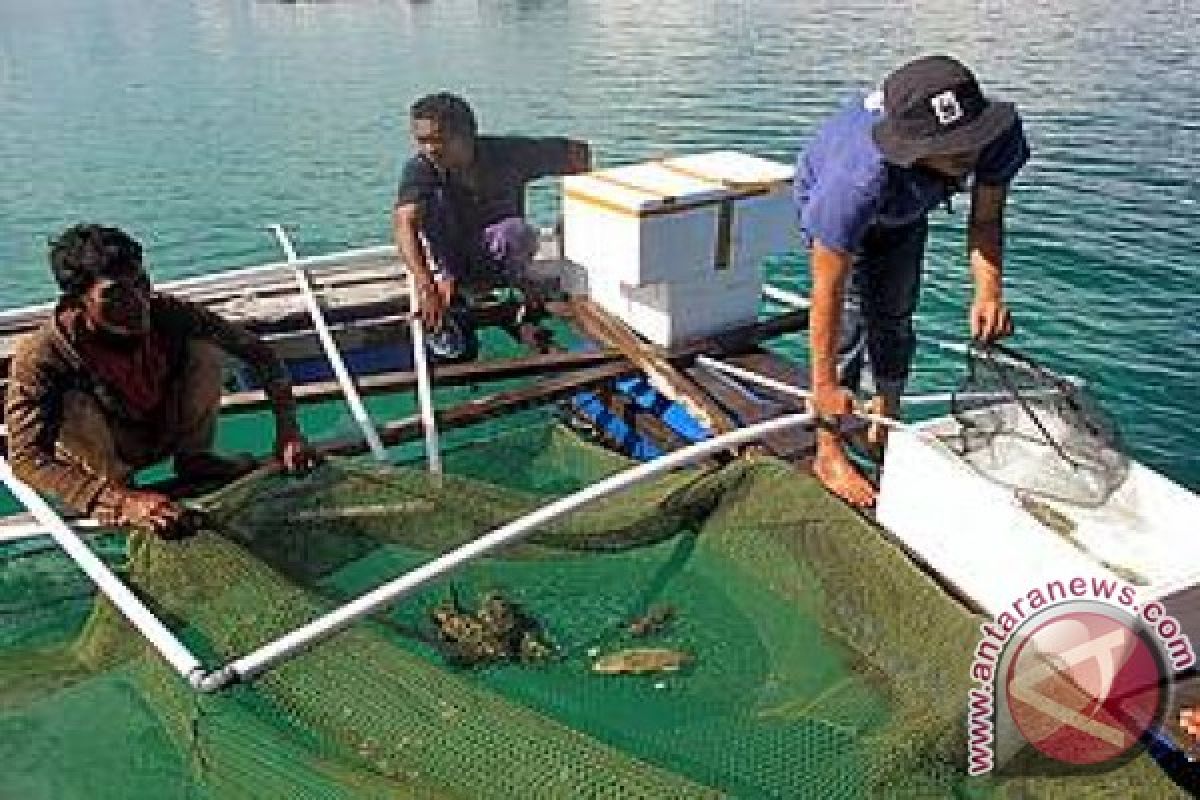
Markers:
(750, 405)
(492, 405)
(610, 331)
(442, 375)
(410, 428)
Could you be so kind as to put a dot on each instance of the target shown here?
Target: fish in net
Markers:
(1026, 428)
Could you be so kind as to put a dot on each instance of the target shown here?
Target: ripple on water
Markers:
(210, 120)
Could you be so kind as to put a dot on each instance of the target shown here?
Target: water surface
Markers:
(196, 124)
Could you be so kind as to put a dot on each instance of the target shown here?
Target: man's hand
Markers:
(150, 511)
(832, 401)
(295, 454)
(990, 319)
(433, 298)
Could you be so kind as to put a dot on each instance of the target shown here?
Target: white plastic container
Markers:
(764, 220)
(643, 224)
(667, 314)
(675, 247)
(979, 537)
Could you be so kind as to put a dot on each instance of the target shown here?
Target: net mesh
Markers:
(820, 662)
(1033, 431)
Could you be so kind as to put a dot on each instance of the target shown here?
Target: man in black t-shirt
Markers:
(459, 213)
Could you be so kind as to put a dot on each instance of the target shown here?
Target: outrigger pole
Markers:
(171, 649)
(357, 409)
(433, 449)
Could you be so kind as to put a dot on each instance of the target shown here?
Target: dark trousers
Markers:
(502, 252)
(881, 297)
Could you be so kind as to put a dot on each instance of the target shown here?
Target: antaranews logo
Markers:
(1077, 669)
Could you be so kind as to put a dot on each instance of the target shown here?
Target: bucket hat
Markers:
(934, 106)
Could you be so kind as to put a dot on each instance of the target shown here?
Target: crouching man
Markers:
(459, 215)
(120, 377)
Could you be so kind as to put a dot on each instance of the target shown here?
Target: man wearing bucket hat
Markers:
(864, 188)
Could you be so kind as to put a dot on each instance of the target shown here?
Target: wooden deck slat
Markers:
(602, 326)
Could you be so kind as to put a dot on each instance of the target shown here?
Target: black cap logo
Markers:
(946, 107)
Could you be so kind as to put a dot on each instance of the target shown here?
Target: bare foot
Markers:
(841, 477)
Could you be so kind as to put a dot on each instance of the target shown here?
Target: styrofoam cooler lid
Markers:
(734, 170)
(643, 189)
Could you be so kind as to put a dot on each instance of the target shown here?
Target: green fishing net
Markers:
(817, 660)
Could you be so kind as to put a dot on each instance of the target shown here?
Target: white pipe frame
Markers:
(799, 301)
(353, 400)
(794, 391)
(300, 640)
(171, 649)
(433, 448)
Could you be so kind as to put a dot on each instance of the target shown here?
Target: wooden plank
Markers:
(443, 375)
(749, 406)
(610, 331)
(489, 406)
(410, 428)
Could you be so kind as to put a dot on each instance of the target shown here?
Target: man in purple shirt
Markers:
(864, 188)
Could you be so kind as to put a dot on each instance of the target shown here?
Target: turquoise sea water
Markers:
(195, 124)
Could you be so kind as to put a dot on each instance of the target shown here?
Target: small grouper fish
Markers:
(638, 661)
(1065, 527)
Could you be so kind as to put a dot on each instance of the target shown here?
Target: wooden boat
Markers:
(648, 401)
(642, 400)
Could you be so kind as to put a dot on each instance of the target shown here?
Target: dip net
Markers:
(1030, 430)
(814, 660)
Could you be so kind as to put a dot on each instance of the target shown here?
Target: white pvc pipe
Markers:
(301, 639)
(795, 391)
(178, 656)
(785, 297)
(357, 409)
(433, 448)
(800, 301)
(32, 530)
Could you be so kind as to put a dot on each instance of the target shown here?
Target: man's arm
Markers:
(989, 317)
(195, 321)
(545, 157)
(830, 268)
(579, 157)
(406, 227)
(32, 410)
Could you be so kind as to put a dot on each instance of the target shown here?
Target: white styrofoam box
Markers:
(667, 314)
(976, 535)
(641, 224)
(764, 214)
(679, 218)
(675, 247)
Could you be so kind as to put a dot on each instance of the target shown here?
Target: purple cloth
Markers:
(504, 251)
(510, 245)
